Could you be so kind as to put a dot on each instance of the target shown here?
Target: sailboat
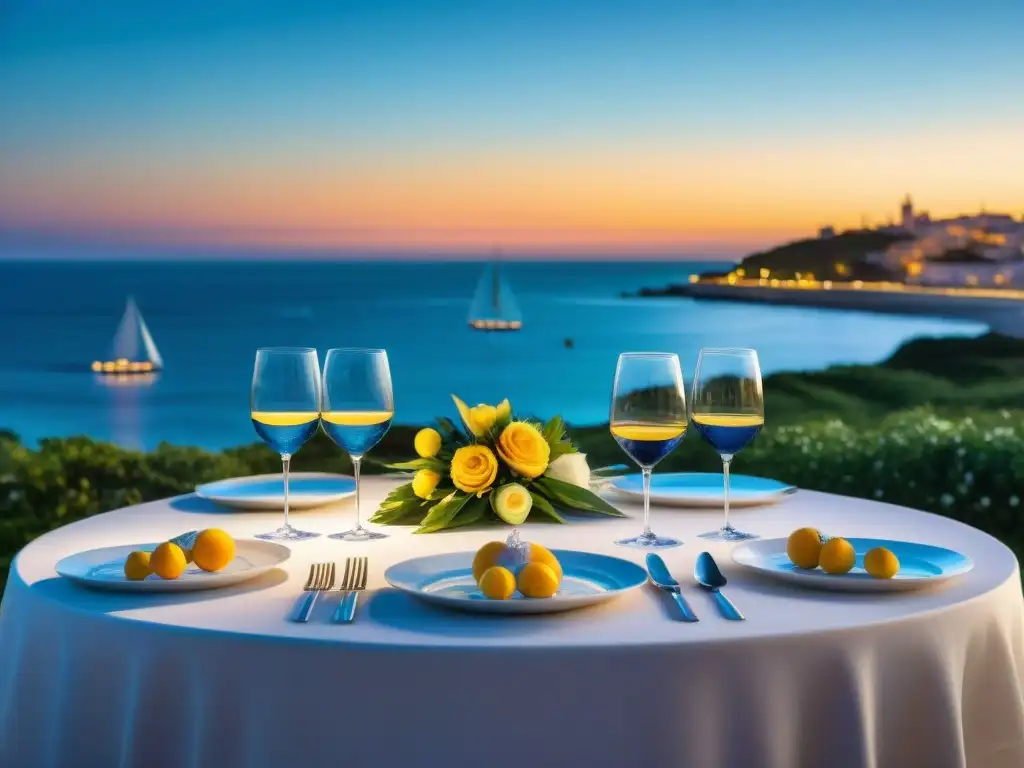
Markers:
(134, 351)
(494, 307)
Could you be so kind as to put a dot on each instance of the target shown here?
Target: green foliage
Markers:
(854, 430)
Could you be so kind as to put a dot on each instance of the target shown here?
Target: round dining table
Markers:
(811, 679)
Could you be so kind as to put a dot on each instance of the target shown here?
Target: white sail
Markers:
(494, 306)
(133, 341)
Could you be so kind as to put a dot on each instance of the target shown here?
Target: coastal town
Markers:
(968, 266)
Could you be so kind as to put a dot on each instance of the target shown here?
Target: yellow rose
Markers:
(474, 468)
(524, 448)
(482, 417)
(427, 443)
(424, 482)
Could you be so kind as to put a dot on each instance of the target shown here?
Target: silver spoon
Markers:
(708, 576)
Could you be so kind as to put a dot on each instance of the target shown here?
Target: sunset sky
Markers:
(542, 127)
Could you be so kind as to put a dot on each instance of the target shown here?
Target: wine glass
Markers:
(727, 409)
(285, 406)
(357, 412)
(648, 420)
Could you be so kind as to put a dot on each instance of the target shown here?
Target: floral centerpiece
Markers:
(497, 467)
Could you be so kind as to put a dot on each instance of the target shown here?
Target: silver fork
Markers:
(321, 578)
(352, 583)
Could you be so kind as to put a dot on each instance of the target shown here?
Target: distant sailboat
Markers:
(134, 351)
(494, 307)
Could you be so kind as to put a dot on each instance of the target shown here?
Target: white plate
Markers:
(306, 490)
(920, 565)
(700, 489)
(447, 580)
(104, 568)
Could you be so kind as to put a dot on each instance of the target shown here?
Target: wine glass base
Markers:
(728, 534)
(287, 533)
(649, 541)
(358, 534)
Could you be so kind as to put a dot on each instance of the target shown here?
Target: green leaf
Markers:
(542, 504)
(554, 431)
(398, 511)
(469, 514)
(575, 497)
(416, 464)
(401, 493)
(561, 449)
(442, 513)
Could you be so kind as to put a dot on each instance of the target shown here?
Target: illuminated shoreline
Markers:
(1001, 309)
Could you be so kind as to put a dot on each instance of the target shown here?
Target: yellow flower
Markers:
(424, 482)
(482, 417)
(524, 448)
(474, 468)
(427, 443)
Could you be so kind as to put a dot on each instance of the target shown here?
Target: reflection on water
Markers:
(126, 406)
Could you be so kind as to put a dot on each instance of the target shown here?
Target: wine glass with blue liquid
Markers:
(285, 407)
(727, 410)
(357, 412)
(648, 420)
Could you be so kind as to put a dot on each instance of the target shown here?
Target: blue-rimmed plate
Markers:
(700, 489)
(447, 580)
(306, 490)
(104, 568)
(920, 566)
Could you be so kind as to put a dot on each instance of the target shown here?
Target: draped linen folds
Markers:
(931, 678)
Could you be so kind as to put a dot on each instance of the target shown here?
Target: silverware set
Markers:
(708, 577)
(321, 579)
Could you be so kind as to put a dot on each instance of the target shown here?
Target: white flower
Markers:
(570, 468)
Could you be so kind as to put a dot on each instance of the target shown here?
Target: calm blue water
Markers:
(209, 318)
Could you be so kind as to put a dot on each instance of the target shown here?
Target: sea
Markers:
(208, 318)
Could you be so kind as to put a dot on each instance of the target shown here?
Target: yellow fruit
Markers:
(167, 561)
(539, 554)
(804, 547)
(498, 583)
(213, 549)
(512, 503)
(837, 556)
(424, 482)
(881, 563)
(487, 557)
(427, 443)
(537, 580)
(136, 566)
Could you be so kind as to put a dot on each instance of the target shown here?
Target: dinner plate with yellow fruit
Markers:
(811, 559)
(196, 560)
(516, 577)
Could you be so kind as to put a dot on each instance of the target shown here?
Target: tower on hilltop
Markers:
(907, 214)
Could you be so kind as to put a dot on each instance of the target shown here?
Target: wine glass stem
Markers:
(286, 461)
(646, 472)
(356, 461)
(726, 461)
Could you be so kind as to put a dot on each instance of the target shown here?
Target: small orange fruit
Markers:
(837, 556)
(881, 563)
(537, 580)
(167, 561)
(498, 583)
(487, 557)
(539, 554)
(804, 547)
(136, 566)
(213, 549)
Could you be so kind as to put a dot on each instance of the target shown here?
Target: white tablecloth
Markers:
(928, 679)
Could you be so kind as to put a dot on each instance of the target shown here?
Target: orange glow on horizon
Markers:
(749, 194)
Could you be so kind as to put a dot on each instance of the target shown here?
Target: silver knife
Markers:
(662, 579)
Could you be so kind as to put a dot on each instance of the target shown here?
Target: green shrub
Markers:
(969, 467)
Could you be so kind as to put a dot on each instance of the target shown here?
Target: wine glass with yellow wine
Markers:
(285, 409)
(648, 420)
(727, 410)
(357, 412)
